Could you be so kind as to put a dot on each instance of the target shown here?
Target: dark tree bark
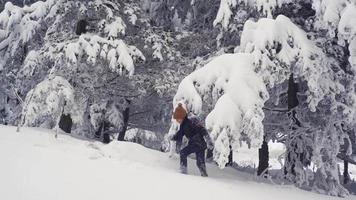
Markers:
(292, 93)
(81, 27)
(346, 172)
(126, 115)
(230, 162)
(263, 158)
(65, 123)
(106, 138)
(292, 103)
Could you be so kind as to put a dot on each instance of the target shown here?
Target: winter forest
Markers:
(257, 74)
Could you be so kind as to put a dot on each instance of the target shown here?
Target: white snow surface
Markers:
(37, 166)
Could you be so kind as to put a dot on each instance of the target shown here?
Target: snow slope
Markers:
(36, 166)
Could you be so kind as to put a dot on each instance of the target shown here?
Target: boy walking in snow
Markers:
(198, 138)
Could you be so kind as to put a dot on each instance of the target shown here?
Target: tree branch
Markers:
(283, 110)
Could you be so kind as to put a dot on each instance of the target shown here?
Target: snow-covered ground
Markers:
(36, 166)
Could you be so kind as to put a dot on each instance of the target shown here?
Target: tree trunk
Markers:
(292, 103)
(346, 172)
(263, 158)
(81, 27)
(230, 162)
(106, 138)
(126, 115)
(65, 123)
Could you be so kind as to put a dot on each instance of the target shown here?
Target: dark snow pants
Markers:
(193, 148)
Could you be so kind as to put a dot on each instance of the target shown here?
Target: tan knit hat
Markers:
(179, 112)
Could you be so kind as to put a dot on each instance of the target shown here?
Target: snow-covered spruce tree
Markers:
(336, 19)
(326, 99)
(282, 50)
(80, 42)
(230, 21)
(17, 29)
(328, 15)
(142, 97)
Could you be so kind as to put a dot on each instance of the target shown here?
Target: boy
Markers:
(198, 138)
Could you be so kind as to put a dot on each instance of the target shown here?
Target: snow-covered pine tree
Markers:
(336, 19)
(328, 15)
(283, 50)
(322, 110)
(80, 42)
(87, 25)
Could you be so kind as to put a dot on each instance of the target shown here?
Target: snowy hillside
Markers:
(36, 166)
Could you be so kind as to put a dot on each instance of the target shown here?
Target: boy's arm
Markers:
(178, 137)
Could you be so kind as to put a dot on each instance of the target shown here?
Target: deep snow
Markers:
(37, 166)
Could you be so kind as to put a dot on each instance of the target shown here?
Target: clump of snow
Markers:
(132, 16)
(225, 13)
(157, 53)
(347, 31)
(116, 27)
(30, 63)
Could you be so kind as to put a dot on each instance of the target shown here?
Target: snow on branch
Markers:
(226, 8)
(328, 14)
(116, 27)
(339, 18)
(119, 55)
(225, 13)
(18, 25)
(347, 32)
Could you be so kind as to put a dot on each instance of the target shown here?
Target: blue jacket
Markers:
(194, 131)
